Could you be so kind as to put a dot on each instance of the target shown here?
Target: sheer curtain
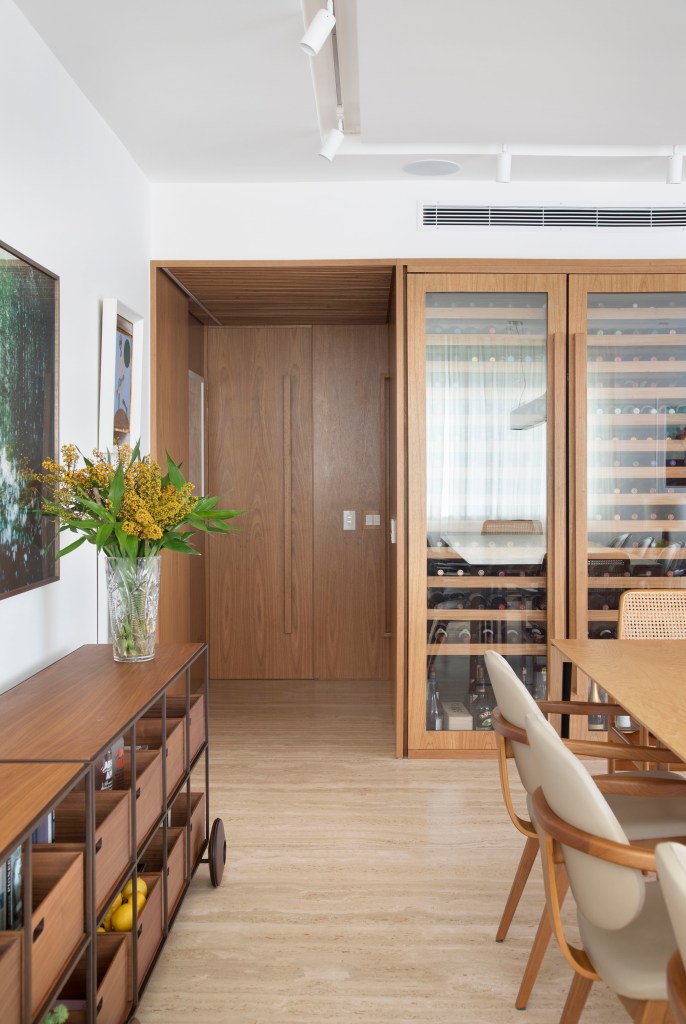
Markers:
(478, 465)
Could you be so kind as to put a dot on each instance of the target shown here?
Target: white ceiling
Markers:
(219, 90)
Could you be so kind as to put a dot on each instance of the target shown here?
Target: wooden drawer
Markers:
(152, 860)
(176, 708)
(179, 817)
(149, 731)
(58, 918)
(10, 977)
(112, 835)
(147, 791)
(114, 998)
(150, 924)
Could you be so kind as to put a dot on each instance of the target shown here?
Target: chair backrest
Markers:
(608, 895)
(515, 703)
(652, 615)
(671, 870)
(512, 526)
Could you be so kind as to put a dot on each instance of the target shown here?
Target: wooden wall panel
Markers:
(395, 553)
(195, 470)
(349, 366)
(169, 431)
(259, 626)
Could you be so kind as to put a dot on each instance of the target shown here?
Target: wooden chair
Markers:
(626, 936)
(671, 870)
(644, 817)
(652, 615)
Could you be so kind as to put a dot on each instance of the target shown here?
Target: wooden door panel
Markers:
(349, 365)
(260, 398)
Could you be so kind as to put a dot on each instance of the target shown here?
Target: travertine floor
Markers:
(358, 888)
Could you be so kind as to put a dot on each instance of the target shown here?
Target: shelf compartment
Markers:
(176, 708)
(149, 732)
(147, 790)
(113, 999)
(112, 835)
(152, 861)
(179, 817)
(481, 582)
(58, 917)
(10, 977)
(150, 924)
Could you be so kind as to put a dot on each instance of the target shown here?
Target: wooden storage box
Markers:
(112, 835)
(179, 817)
(176, 708)
(147, 790)
(114, 998)
(149, 732)
(58, 918)
(10, 977)
(150, 924)
(152, 860)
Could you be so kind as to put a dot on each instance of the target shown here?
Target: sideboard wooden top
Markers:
(27, 792)
(71, 710)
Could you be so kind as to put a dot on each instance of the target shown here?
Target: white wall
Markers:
(380, 220)
(74, 201)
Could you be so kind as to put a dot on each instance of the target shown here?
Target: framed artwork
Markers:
(121, 365)
(29, 333)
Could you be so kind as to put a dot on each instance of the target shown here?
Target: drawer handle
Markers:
(138, 792)
(98, 1008)
(98, 845)
(37, 931)
(166, 751)
(140, 930)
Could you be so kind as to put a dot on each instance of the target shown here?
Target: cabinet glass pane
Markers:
(486, 458)
(636, 420)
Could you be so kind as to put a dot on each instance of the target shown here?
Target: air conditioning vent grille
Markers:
(442, 216)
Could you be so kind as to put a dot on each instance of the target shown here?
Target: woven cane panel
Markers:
(652, 615)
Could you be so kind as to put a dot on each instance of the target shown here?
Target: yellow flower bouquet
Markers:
(127, 508)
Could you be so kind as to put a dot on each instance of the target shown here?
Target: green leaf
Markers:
(71, 547)
(221, 513)
(176, 477)
(127, 543)
(93, 506)
(204, 505)
(117, 489)
(136, 453)
(103, 535)
(174, 542)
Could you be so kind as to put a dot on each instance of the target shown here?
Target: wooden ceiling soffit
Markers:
(263, 296)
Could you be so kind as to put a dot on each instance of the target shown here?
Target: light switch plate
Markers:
(349, 520)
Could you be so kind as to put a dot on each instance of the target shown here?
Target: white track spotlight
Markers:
(319, 31)
(504, 165)
(334, 138)
(675, 168)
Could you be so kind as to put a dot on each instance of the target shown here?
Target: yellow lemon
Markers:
(141, 886)
(101, 929)
(122, 918)
(116, 903)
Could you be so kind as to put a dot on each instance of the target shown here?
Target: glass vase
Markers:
(133, 589)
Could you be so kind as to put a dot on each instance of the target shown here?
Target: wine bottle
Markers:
(597, 723)
(477, 601)
(482, 707)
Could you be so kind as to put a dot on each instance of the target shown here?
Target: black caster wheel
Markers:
(217, 852)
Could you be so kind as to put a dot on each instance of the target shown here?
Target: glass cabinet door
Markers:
(486, 382)
(629, 429)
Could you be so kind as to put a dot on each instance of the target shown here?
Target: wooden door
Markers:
(349, 372)
(260, 459)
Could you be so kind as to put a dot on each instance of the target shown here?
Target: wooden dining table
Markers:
(647, 677)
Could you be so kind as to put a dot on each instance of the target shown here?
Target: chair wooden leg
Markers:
(641, 1011)
(540, 945)
(576, 999)
(526, 862)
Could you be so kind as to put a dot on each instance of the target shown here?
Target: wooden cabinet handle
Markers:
(98, 1008)
(37, 931)
(98, 845)
(140, 930)
(138, 792)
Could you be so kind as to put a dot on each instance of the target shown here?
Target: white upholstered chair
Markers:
(650, 805)
(626, 936)
(671, 870)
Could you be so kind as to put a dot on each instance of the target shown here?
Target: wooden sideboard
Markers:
(154, 823)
